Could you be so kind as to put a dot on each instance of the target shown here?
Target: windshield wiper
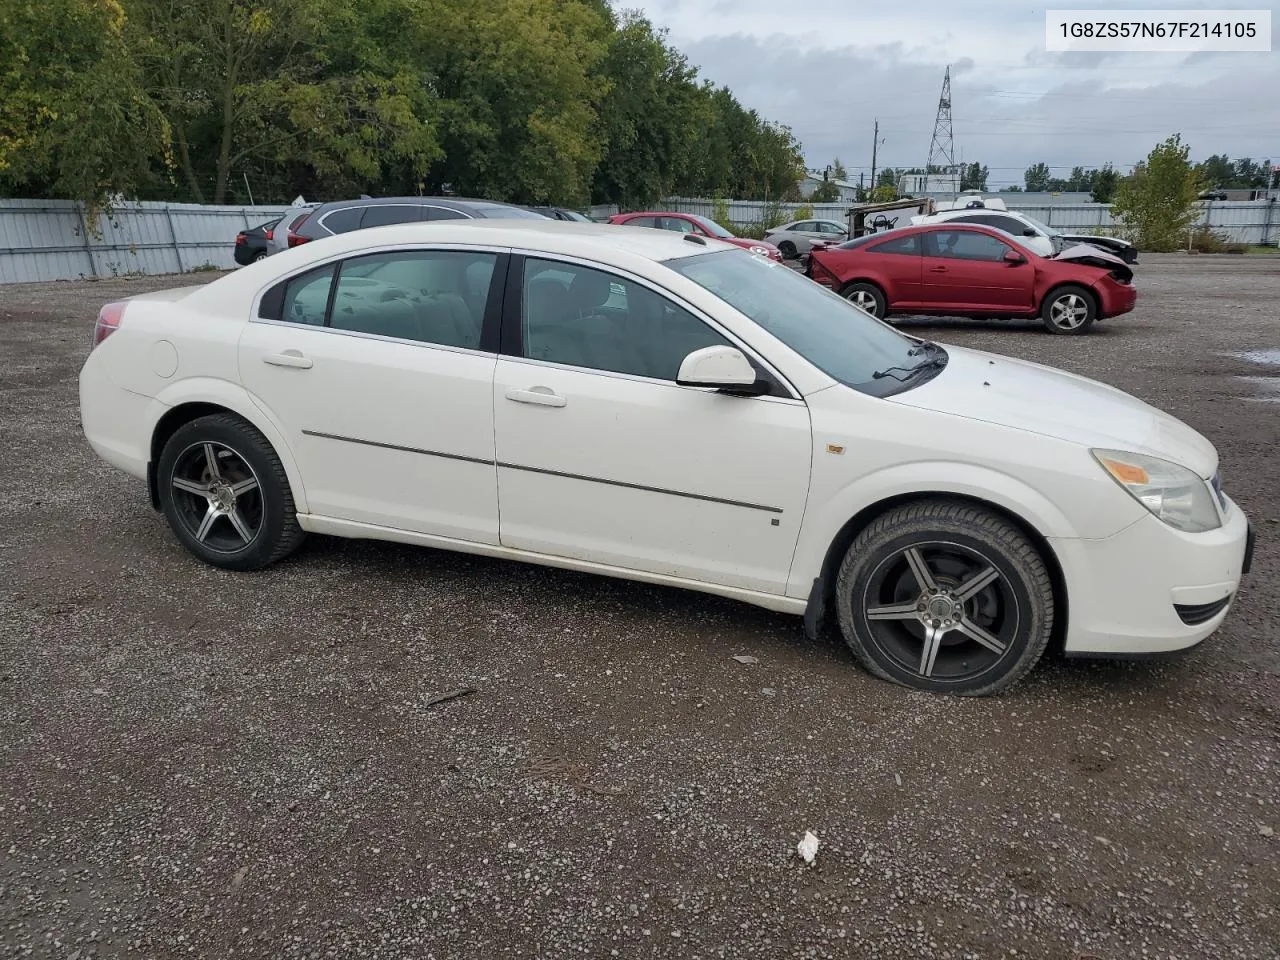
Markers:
(937, 361)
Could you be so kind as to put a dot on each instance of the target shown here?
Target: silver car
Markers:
(795, 239)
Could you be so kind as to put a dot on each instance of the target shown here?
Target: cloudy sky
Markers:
(829, 69)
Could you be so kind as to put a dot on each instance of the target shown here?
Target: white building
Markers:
(811, 182)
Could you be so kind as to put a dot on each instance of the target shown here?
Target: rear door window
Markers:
(343, 221)
(385, 215)
(431, 296)
(306, 297)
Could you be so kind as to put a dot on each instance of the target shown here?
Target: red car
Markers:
(972, 271)
(691, 223)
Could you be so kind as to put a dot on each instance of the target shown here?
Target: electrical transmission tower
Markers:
(942, 149)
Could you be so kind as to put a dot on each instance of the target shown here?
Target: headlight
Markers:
(762, 251)
(1172, 492)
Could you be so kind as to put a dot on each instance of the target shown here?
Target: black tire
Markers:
(225, 494)
(964, 548)
(868, 296)
(787, 249)
(1073, 299)
(260, 255)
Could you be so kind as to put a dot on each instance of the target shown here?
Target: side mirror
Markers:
(724, 368)
(1013, 257)
(1029, 233)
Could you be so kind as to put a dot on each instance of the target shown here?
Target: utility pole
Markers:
(875, 142)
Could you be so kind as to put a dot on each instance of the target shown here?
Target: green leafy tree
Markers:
(649, 116)
(973, 176)
(1012, 188)
(75, 120)
(1036, 178)
(838, 171)
(825, 192)
(268, 83)
(1157, 202)
(1103, 184)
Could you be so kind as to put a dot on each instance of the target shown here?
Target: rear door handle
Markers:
(289, 358)
(543, 396)
(938, 269)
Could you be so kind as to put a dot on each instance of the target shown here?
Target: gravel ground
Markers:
(218, 765)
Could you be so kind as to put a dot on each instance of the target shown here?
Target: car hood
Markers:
(746, 243)
(1088, 238)
(1053, 403)
(1095, 257)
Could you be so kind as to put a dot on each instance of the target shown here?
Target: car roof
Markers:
(466, 204)
(563, 237)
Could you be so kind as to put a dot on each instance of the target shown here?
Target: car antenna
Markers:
(694, 238)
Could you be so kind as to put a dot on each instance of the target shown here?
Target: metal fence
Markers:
(51, 239)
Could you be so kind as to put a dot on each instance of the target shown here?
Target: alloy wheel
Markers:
(217, 496)
(865, 299)
(942, 611)
(1068, 311)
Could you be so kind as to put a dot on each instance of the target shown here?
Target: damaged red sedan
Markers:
(972, 271)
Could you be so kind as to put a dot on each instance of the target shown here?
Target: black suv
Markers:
(343, 216)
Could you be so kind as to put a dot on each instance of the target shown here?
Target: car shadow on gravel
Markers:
(708, 627)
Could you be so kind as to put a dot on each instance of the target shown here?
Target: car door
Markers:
(602, 457)
(899, 267)
(379, 369)
(965, 270)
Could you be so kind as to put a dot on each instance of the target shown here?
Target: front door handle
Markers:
(543, 396)
(938, 269)
(289, 358)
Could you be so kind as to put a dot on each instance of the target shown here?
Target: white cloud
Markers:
(828, 70)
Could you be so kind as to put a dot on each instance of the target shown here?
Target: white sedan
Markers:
(665, 408)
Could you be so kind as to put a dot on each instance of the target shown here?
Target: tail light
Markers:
(108, 321)
(1119, 277)
(269, 236)
(292, 238)
(240, 239)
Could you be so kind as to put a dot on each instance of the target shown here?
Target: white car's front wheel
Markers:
(945, 596)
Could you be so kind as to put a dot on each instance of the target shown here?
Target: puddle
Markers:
(1270, 358)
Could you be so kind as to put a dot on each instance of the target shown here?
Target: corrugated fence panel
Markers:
(49, 239)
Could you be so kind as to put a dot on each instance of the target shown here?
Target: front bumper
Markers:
(1115, 298)
(1124, 592)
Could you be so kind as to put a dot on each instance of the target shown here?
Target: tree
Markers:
(311, 83)
(648, 118)
(825, 192)
(1157, 202)
(1103, 184)
(75, 122)
(838, 171)
(1036, 178)
(1012, 188)
(973, 176)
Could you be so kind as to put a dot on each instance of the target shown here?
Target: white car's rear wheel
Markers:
(946, 597)
(225, 494)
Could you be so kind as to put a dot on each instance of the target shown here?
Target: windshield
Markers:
(1044, 228)
(713, 228)
(575, 215)
(844, 342)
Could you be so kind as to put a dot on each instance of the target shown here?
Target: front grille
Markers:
(1194, 614)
